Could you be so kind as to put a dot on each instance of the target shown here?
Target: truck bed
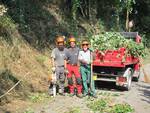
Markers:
(114, 58)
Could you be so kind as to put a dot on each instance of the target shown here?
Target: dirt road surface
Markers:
(138, 97)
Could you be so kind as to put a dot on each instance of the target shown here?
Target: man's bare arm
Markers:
(53, 62)
(65, 64)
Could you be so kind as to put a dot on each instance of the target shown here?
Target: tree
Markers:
(3, 10)
(75, 6)
(129, 8)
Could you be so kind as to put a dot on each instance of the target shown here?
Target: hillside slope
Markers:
(27, 35)
(22, 62)
(19, 61)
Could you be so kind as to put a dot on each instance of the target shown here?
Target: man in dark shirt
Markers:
(73, 68)
(59, 62)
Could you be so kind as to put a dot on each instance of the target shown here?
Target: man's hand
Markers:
(53, 69)
(84, 62)
(49, 78)
(90, 62)
(66, 71)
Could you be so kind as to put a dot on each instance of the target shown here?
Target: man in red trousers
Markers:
(73, 68)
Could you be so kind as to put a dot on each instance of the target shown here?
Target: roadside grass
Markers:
(108, 94)
(8, 53)
(41, 59)
(38, 97)
(99, 105)
(122, 108)
(147, 59)
(74, 110)
(106, 105)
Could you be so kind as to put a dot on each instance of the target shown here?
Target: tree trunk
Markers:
(118, 21)
(82, 11)
(127, 21)
(86, 7)
(89, 12)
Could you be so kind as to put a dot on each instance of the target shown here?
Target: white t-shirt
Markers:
(85, 55)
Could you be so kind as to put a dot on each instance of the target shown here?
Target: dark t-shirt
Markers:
(72, 55)
(59, 56)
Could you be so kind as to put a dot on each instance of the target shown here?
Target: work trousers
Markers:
(74, 70)
(88, 84)
(60, 77)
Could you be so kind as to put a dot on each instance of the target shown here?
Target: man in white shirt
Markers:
(85, 69)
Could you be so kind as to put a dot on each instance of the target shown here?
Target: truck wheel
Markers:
(136, 79)
(128, 74)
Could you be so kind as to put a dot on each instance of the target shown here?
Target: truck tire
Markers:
(128, 74)
(136, 79)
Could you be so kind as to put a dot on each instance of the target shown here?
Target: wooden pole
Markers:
(91, 66)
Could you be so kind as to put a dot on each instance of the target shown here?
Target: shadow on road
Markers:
(107, 86)
(145, 92)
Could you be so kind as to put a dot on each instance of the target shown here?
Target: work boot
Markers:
(50, 91)
(61, 92)
(94, 96)
(85, 94)
(80, 95)
(71, 94)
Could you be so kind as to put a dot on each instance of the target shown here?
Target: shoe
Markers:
(94, 96)
(85, 94)
(71, 94)
(63, 94)
(80, 95)
(60, 91)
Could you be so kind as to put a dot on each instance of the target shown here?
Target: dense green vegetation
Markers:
(114, 41)
(103, 106)
(39, 21)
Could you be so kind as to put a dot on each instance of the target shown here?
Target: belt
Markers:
(60, 66)
(73, 64)
(86, 65)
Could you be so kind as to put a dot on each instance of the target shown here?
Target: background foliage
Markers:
(39, 21)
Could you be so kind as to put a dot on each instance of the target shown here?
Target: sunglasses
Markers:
(60, 44)
(85, 44)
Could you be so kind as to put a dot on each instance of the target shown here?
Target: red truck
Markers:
(116, 65)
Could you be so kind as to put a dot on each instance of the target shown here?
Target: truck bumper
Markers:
(121, 81)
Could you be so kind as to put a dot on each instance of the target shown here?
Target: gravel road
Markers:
(138, 97)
